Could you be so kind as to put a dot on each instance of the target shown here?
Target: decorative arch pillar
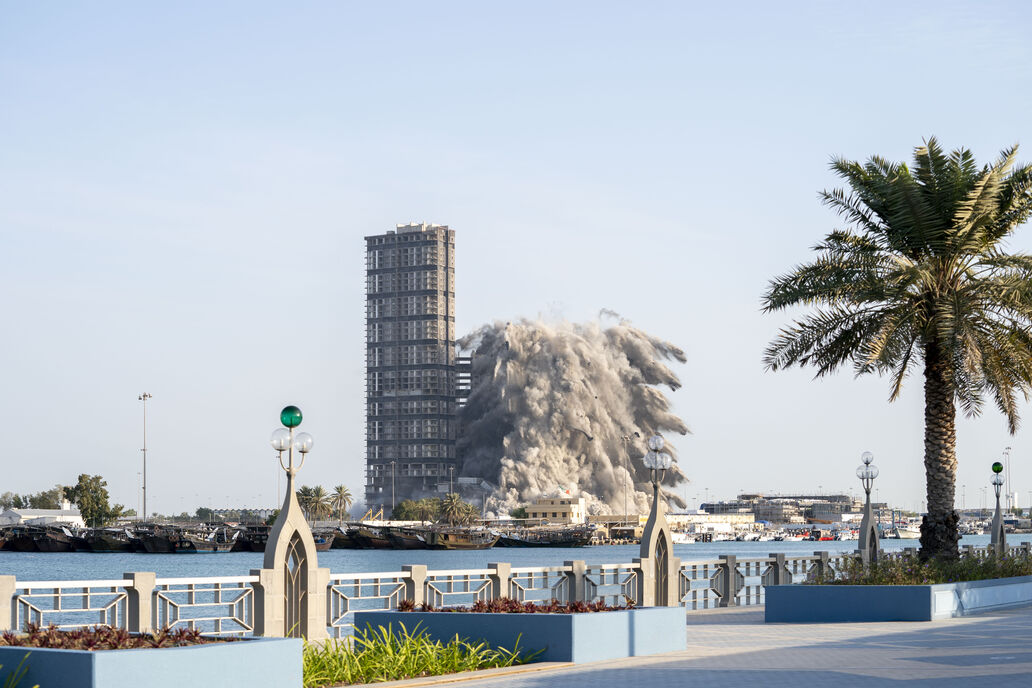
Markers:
(290, 595)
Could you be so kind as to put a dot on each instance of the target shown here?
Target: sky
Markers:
(185, 188)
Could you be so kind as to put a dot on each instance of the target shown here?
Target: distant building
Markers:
(42, 517)
(412, 385)
(792, 508)
(558, 510)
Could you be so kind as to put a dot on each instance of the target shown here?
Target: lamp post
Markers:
(393, 499)
(868, 531)
(998, 540)
(292, 598)
(144, 397)
(656, 542)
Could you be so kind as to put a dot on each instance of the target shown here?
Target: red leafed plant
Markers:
(102, 638)
(506, 605)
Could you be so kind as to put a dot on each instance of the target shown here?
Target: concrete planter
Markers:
(252, 663)
(847, 603)
(587, 637)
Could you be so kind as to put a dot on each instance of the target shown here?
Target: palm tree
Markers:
(426, 509)
(453, 509)
(921, 275)
(341, 501)
(304, 500)
(319, 504)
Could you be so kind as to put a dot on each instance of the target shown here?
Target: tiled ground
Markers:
(735, 648)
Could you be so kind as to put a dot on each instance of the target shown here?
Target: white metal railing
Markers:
(221, 606)
(70, 604)
(225, 605)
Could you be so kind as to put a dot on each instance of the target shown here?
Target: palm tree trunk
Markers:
(939, 533)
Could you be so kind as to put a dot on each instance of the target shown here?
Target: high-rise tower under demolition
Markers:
(411, 390)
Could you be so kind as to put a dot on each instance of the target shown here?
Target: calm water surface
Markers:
(29, 566)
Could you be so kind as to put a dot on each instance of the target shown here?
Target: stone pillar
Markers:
(823, 564)
(139, 614)
(576, 589)
(7, 588)
(415, 585)
(315, 625)
(646, 591)
(1026, 549)
(728, 570)
(777, 570)
(674, 581)
(269, 593)
(500, 574)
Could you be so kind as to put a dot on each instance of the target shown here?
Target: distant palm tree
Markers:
(426, 509)
(921, 276)
(341, 501)
(304, 500)
(319, 506)
(453, 509)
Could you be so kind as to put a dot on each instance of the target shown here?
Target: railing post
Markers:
(777, 568)
(7, 587)
(728, 567)
(969, 550)
(575, 581)
(910, 551)
(1026, 549)
(415, 584)
(500, 574)
(139, 612)
(823, 564)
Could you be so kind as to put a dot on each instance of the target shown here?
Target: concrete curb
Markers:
(474, 675)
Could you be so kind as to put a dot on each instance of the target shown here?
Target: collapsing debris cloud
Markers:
(567, 407)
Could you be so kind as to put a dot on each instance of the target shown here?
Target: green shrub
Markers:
(375, 655)
(911, 570)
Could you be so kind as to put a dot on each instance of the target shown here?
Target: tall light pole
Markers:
(451, 479)
(1010, 497)
(393, 505)
(144, 397)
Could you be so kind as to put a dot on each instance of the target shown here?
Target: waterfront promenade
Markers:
(735, 648)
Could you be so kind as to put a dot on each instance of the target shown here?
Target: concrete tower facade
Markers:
(411, 391)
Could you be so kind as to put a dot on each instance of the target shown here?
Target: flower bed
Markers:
(112, 658)
(911, 570)
(904, 589)
(559, 636)
(505, 605)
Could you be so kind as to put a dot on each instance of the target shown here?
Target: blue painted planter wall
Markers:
(586, 637)
(257, 663)
(849, 603)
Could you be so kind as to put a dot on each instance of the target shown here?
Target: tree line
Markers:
(435, 509)
(320, 505)
(89, 495)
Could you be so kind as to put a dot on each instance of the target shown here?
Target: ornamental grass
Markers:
(912, 570)
(376, 655)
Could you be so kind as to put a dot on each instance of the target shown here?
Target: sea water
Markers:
(32, 566)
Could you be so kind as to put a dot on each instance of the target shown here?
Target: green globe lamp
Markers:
(997, 467)
(290, 416)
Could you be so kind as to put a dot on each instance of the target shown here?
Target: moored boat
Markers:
(461, 539)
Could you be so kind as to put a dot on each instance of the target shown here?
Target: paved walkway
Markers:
(735, 648)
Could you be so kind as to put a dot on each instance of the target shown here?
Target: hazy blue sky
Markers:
(184, 189)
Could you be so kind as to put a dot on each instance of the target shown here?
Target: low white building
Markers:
(42, 517)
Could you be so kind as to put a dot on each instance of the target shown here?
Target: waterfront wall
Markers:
(225, 605)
